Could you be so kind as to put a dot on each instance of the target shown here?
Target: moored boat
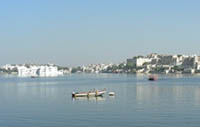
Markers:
(34, 76)
(93, 93)
(100, 92)
(152, 78)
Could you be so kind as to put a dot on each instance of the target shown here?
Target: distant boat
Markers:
(94, 93)
(34, 76)
(99, 98)
(111, 94)
(152, 78)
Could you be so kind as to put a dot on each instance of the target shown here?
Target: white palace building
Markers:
(48, 70)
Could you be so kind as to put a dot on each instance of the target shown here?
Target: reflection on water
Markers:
(178, 93)
(89, 98)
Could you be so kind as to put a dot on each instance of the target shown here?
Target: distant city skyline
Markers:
(79, 32)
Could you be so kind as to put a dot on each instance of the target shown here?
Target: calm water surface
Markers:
(172, 101)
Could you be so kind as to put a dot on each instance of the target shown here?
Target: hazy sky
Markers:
(76, 32)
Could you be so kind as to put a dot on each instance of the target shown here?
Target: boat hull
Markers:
(89, 94)
(152, 78)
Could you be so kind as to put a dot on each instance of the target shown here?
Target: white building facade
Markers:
(138, 62)
(41, 71)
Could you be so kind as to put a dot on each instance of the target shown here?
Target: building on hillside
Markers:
(153, 56)
(138, 62)
(197, 63)
(9, 67)
(167, 60)
(189, 62)
(178, 59)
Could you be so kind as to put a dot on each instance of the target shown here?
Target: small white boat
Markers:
(93, 93)
(79, 94)
(100, 92)
(111, 94)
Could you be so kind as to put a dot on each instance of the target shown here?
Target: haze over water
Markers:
(46, 102)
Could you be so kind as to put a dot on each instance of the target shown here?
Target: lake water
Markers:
(172, 101)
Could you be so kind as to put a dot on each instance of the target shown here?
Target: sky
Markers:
(80, 32)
